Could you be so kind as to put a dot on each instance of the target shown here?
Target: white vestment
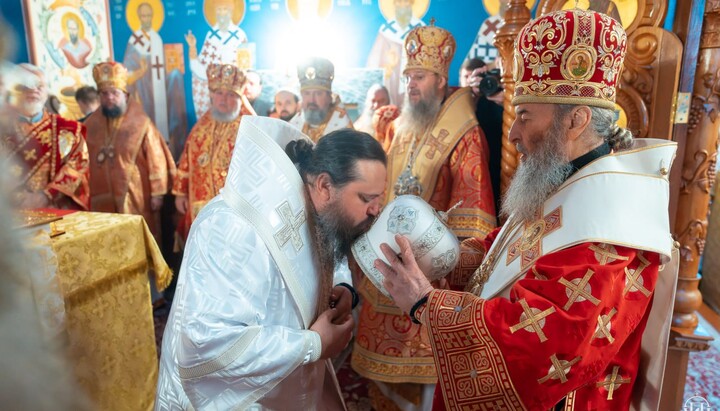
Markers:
(387, 53)
(219, 47)
(237, 336)
(149, 46)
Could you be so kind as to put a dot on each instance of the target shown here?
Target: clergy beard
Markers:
(31, 109)
(315, 116)
(286, 115)
(538, 176)
(224, 117)
(337, 233)
(403, 16)
(417, 119)
(114, 111)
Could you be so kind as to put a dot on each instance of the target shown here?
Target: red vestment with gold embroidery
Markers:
(580, 312)
(389, 347)
(204, 163)
(51, 156)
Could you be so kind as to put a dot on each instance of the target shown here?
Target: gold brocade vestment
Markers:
(129, 164)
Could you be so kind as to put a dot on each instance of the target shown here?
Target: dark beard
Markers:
(113, 112)
(336, 233)
(538, 176)
(287, 116)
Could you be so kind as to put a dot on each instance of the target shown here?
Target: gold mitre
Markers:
(110, 74)
(316, 73)
(226, 76)
(429, 48)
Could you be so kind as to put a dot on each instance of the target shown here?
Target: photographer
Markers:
(485, 83)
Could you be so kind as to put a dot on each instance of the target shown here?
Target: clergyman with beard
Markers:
(206, 156)
(554, 317)
(259, 310)
(436, 151)
(286, 105)
(322, 111)
(51, 152)
(130, 163)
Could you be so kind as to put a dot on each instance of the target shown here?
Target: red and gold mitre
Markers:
(569, 57)
(316, 73)
(429, 48)
(110, 74)
(226, 76)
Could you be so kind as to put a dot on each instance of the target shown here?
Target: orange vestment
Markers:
(129, 164)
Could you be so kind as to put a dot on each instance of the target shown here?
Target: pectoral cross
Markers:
(157, 66)
(291, 228)
(529, 245)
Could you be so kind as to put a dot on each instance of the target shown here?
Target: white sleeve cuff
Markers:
(314, 347)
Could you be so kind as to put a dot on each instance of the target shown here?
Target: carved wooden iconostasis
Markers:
(665, 75)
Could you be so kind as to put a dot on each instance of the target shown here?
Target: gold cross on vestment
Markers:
(633, 278)
(578, 290)
(606, 253)
(30, 154)
(436, 144)
(529, 245)
(291, 228)
(603, 326)
(559, 369)
(611, 382)
(532, 320)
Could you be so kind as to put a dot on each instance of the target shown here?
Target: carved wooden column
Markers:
(698, 170)
(515, 17)
(696, 158)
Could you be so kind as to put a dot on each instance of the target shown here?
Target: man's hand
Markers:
(181, 204)
(474, 79)
(341, 300)
(156, 203)
(403, 278)
(335, 332)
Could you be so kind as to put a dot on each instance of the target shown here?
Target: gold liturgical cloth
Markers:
(103, 264)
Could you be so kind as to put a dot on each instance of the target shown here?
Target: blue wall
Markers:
(355, 24)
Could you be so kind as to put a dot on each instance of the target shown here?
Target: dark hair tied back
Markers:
(300, 153)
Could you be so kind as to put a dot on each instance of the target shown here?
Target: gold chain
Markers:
(482, 274)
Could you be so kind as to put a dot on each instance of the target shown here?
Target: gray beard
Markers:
(33, 108)
(315, 117)
(224, 117)
(417, 119)
(537, 177)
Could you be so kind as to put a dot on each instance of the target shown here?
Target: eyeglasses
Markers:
(417, 77)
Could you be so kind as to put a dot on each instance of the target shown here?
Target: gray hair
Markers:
(604, 124)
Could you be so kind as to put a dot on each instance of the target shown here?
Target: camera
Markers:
(490, 82)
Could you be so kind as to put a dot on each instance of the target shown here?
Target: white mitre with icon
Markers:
(435, 246)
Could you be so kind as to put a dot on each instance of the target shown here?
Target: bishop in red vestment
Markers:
(50, 155)
(555, 315)
(206, 157)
